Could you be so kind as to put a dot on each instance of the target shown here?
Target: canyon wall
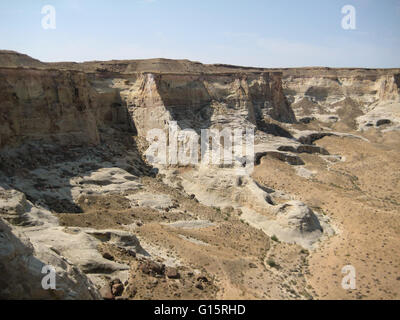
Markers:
(323, 84)
(346, 93)
(69, 107)
(53, 106)
(200, 101)
(68, 103)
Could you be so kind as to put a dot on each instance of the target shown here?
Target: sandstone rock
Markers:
(21, 275)
(85, 104)
(382, 122)
(122, 239)
(13, 206)
(172, 273)
(285, 157)
(108, 256)
(78, 246)
(257, 96)
(60, 101)
(322, 89)
(386, 115)
(294, 222)
(10, 58)
(106, 293)
(103, 181)
(298, 216)
(152, 268)
(117, 289)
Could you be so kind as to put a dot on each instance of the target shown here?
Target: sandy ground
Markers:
(361, 197)
(359, 194)
(199, 239)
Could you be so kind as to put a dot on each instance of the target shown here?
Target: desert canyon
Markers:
(77, 192)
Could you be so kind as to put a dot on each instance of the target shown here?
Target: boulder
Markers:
(106, 293)
(172, 273)
(108, 256)
(117, 289)
(152, 268)
(382, 122)
(296, 215)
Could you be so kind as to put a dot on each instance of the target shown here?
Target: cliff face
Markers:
(202, 101)
(68, 103)
(69, 107)
(321, 91)
(21, 267)
(52, 106)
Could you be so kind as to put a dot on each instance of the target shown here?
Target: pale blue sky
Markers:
(267, 33)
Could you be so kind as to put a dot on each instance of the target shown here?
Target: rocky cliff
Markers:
(70, 102)
(40, 102)
(54, 106)
(331, 94)
(200, 101)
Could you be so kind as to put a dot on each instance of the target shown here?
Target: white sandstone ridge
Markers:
(327, 86)
(73, 252)
(330, 95)
(68, 189)
(292, 222)
(386, 116)
(198, 101)
(21, 264)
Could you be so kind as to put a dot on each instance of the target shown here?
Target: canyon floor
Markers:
(359, 197)
(324, 192)
(356, 194)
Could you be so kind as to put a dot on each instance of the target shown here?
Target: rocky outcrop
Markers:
(329, 85)
(21, 266)
(14, 59)
(68, 103)
(34, 239)
(13, 206)
(53, 106)
(202, 101)
(345, 94)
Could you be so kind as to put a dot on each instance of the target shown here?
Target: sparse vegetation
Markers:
(275, 238)
(273, 264)
(304, 251)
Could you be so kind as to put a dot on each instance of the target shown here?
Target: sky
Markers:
(261, 33)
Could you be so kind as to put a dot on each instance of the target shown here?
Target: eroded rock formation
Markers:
(74, 178)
